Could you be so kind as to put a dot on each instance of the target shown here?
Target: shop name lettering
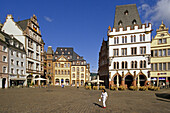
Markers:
(161, 73)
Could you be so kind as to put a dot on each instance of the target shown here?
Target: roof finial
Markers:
(162, 22)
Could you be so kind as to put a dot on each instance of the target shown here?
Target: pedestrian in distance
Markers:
(104, 97)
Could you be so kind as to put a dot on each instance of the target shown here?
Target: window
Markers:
(17, 71)
(77, 68)
(151, 53)
(55, 64)
(115, 52)
(168, 52)
(160, 52)
(132, 64)
(12, 62)
(168, 65)
(65, 65)
(142, 50)
(68, 64)
(131, 38)
(73, 69)
(120, 23)
(126, 12)
(49, 64)
(21, 55)
(4, 70)
(62, 52)
(155, 67)
(65, 72)
(116, 65)
(68, 52)
(124, 51)
(73, 75)
(160, 66)
(82, 75)
(164, 66)
(22, 72)
(124, 65)
(123, 39)
(68, 72)
(141, 64)
(135, 64)
(4, 59)
(4, 48)
(142, 37)
(116, 40)
(17, 63)
(160, 41)
(151, 67)
(134, 38)
(133, 51)
(17, 54)
(164, 52)
(12, 53)
(12, 70)
(134, 22)
(58, 64)
(62, 72)
(156, 53)
(82, 69)
(59, 72)
(22, 64)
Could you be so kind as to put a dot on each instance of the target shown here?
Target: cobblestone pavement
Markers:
(73, 100)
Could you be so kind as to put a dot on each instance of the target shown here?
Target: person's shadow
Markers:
(97, 105)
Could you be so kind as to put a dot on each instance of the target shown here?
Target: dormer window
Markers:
(126, 12)
(77, 57)
(134, 22)
(120, 23)
(16, 44)
(162, 34)
(65, 49)
(56, 52)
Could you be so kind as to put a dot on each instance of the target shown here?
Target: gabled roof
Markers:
(126, 14)
(23, 24)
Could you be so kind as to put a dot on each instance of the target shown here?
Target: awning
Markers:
(40, 79)
(18, 79)
(95, 81)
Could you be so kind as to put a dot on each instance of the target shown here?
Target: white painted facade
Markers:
(10, 27)
(17, 72)
(115, 35)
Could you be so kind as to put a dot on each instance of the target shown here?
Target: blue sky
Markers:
(81, 24)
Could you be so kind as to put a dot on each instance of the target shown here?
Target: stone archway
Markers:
(29, 79)
(129, 80)
(119, 79)
(142, 79)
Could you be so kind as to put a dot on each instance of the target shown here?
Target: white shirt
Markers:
(104, 95)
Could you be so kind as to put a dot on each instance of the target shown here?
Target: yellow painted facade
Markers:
(61, 71)
(160, 55)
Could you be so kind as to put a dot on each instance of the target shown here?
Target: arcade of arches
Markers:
(128, 80)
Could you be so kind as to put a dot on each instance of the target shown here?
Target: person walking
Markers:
(104, 97)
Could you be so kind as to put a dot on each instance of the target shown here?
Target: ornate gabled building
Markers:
(129, 48)
(66, 67)
(160, 56)
(28, 33)
(104, 63)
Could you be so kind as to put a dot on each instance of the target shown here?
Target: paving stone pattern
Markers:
(79, 100)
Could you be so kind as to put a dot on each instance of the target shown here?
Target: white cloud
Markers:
(161, 11)
(48, 19)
